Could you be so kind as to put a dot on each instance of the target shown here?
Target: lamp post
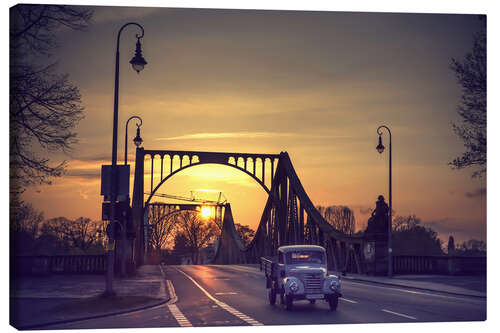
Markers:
(137, 139)
(138, 64)
(380, 148)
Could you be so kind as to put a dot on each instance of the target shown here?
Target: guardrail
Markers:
(448, 265)
(71, 264)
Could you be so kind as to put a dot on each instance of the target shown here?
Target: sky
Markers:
(314, 84)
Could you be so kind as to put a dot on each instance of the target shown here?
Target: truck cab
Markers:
(299, 272)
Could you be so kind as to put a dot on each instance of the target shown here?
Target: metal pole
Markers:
(389, 227)
(114, 174)
(389, 235)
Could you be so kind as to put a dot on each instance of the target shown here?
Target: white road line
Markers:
(348, 300)
(171, 292)
(227, 293)
(399, 314)
(174, 310)
(181, 320)
(223, 305)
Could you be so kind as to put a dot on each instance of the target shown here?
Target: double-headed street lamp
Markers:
(138, 64)
(380, 148)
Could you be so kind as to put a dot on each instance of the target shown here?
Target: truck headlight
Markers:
(334, 285)
(294, 287)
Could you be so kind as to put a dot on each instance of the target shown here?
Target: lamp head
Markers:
(138, 61)
(380, 148)
(138, 139)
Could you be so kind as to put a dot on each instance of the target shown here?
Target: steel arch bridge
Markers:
(289, 216)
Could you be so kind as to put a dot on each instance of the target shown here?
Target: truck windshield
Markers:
(305, 257)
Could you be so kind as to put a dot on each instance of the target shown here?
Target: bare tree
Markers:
(246, 234)
(197, 231)
(44, 106)
(471, 75)
(26, 220)
(340, 217)
(163, 223)
(81, 233)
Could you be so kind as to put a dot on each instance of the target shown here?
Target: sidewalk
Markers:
(457, 285)
(42, 300)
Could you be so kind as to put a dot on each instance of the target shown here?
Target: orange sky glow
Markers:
(314, 84)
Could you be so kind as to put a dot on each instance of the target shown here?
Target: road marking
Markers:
(171, 292)
(399, 314)
(223, 305)
(227, 293)
(348, 300)
(181, 320)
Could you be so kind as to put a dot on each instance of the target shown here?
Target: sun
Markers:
(206, 211)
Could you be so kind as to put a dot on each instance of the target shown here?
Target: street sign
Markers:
(123, 180)
(121, 211)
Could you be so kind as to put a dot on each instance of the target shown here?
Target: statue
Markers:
(377, 223)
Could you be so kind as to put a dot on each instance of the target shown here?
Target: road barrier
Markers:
(71, 264)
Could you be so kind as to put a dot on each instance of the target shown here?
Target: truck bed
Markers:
(268, 265)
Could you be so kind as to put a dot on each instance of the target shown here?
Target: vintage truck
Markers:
(299, 272)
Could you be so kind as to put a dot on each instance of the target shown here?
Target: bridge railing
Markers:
(448, 265)
(70, 264)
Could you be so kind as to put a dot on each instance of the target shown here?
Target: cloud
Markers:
(107, 14)
(245, 135)
(461, 230)
(480, 192)
(242, 135)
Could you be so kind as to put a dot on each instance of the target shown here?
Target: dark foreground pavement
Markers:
(38, 301)
(235, 295)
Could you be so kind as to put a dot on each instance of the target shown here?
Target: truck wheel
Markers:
(272, 296)
(333, 301)
(312, 301)
(288, 302)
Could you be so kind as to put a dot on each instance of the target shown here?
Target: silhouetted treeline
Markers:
(411, 238)
(470, 248)
(340, 217)
(31, 234)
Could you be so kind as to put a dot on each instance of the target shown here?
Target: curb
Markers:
(102, 315)
(412, 287)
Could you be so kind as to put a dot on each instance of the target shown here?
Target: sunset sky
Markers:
(314, 84)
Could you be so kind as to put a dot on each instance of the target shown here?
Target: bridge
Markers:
(289, 216)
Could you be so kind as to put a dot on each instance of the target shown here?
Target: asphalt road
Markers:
(236, 295)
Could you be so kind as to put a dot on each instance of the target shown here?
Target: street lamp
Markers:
(137, 139)
(138, 64)
(380, 148)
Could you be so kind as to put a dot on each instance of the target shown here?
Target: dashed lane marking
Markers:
(348, 300)
(399, 314)
(226, 293)
(181, 320)
(223, 305)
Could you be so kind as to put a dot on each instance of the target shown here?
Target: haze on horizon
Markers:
(314, 84)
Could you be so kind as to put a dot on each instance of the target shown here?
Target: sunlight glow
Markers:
(206, 211)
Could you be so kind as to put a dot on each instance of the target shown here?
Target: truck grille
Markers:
(312, 283)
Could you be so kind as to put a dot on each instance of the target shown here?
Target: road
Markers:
(235, 295)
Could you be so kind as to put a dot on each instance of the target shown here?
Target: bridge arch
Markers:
(260, 182)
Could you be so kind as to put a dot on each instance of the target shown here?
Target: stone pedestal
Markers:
(375, 254)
